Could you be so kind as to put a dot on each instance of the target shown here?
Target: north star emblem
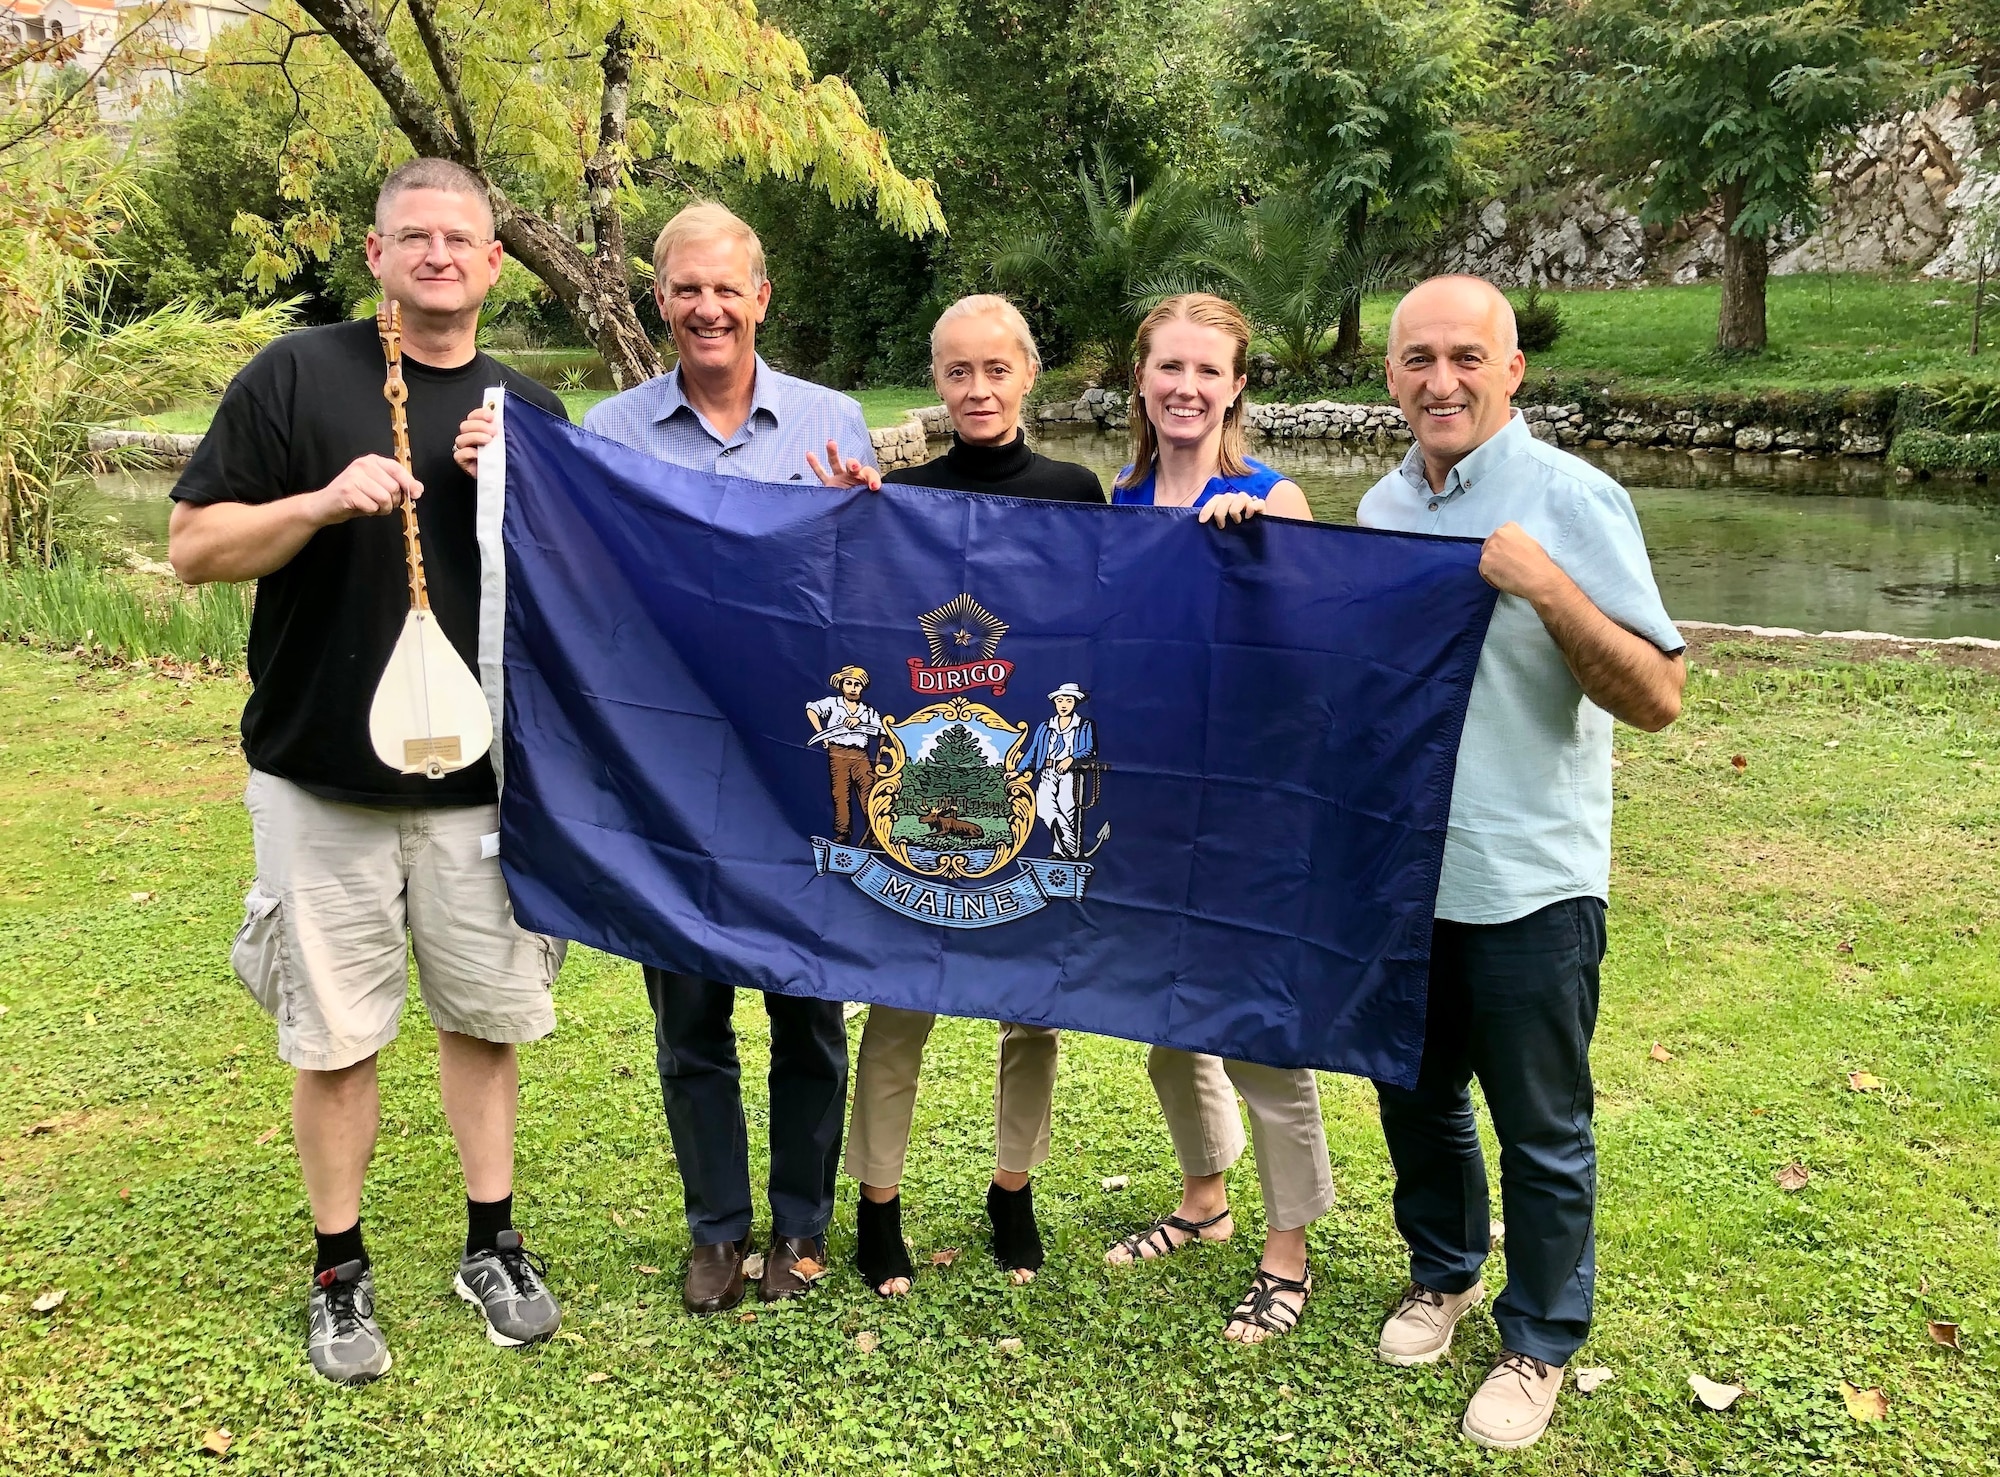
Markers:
(951, 793)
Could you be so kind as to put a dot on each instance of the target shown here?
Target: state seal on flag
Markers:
(930, 809)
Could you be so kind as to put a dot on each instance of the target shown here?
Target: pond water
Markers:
(1751, 540)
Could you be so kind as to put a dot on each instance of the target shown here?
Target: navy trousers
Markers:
(701, 1085)
(1513, 1004)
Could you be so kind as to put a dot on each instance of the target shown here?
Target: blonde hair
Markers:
(1208, 311)
(707, 221)
(989, 304)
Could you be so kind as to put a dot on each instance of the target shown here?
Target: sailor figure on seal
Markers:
(1060, 744)
(846, 726)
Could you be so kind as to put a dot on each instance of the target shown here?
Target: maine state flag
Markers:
(1105, 769)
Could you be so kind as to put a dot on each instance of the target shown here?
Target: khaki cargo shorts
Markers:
(342, 894)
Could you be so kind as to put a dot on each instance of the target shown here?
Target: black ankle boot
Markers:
(1017, 1240)
(879, 1252)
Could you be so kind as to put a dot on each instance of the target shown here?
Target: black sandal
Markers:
(1156, 1238)
(879, 1252)
(1260, 1307)
(1017, 1240)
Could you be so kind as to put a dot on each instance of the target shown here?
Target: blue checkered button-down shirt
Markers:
(788, 418)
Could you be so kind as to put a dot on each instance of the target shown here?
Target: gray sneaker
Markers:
(506, 1285)
(341, 1336)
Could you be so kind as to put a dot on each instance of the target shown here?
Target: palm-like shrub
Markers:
(1132, 248)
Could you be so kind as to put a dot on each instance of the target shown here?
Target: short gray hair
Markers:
(431, 174)
(705, 220)
(989, 304)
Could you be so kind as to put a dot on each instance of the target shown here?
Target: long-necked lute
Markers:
(429, 716)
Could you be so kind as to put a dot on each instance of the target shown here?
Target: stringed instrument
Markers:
(429, 716)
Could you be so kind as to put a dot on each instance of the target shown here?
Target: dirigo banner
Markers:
(1106, 769)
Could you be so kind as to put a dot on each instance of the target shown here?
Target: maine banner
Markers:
(1099, 768)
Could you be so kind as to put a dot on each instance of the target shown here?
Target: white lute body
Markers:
(429, 716)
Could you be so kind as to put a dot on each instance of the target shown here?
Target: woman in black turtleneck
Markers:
(984, 362)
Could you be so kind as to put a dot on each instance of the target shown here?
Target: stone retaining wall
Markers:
(1566, 425)
(153, 448)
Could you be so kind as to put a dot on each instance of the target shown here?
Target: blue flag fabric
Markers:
(1099, 768)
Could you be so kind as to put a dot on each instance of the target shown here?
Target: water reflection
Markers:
(1833, 545)
(1820, 545)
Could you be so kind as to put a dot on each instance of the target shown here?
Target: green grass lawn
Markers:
(1825, 333)
(1828, 908)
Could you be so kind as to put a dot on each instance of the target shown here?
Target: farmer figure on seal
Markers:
(845, 726)
(1060, 744)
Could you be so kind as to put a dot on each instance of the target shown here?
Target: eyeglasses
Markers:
(458, 243)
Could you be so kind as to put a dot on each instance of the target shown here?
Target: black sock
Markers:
(485, 1220)
(1017, 1240)
(879, 1252)
(333, 1248)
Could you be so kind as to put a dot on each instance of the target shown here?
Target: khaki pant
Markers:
(851, 775)
(885, 1094)
(1200, 1106)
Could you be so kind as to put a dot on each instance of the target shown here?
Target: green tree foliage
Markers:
(1731, 103)
(1000, 102)
(1132, 248)
(1370, 109)
(556, 106)
(956, 769)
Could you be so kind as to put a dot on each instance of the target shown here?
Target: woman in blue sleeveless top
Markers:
(1192, 356)
(1187, 452)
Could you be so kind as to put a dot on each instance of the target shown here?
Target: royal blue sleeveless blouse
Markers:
(1258, 481)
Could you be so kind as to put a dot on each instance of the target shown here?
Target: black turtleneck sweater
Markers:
(1011, 470)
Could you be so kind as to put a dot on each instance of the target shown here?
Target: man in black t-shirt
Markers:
(294, 486)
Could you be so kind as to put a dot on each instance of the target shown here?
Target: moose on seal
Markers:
(945, 821)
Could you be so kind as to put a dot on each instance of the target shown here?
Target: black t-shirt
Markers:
(326, 622)
(1011, 470)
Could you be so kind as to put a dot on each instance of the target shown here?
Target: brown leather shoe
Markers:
(782, 1276)
(715, 1277)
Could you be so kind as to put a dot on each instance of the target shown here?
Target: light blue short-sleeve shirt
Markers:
(788, 418)
(1531, 806)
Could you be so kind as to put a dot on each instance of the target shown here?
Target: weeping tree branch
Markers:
(594, 291)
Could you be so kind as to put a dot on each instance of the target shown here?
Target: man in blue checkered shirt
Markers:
(725, 410)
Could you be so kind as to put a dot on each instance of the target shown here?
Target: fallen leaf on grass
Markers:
(570, 1334)
(645, 1271)
(944, 1256)
(867, 1341)
(49, 1301)
(746, 1317)
(1496, 1232)
(47, 1125)
(1793, 1177)
(753, 1266)
(617, 1220)
(124, 1192)
(1008, 1346)
(808, 1269)
(3, 1010)
(1714, 1396)
(268, 1134)
(596, 1377)
(1738, 763)
(1845, 946)
(142, 897)
(1117, 1182)
(1865, 1405)
(216, 1442)
(1659, 1053)
(1589, 1379)
(1943, 1333)
(1863, 1082)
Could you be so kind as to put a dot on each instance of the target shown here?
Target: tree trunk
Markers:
(592, 289)
(1347, 339)
(1978, 303)
(1746, 265)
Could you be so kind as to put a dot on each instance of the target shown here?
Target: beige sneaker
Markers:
(1512, 1408)
(1420, 1329)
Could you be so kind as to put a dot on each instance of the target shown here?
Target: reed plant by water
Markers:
(115, 615)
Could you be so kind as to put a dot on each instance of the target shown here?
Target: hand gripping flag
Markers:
(1099, 768)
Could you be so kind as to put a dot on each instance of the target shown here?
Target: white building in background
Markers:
(186, 26)
(32, 21)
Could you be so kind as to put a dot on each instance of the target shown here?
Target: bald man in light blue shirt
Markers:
(1579, 637)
